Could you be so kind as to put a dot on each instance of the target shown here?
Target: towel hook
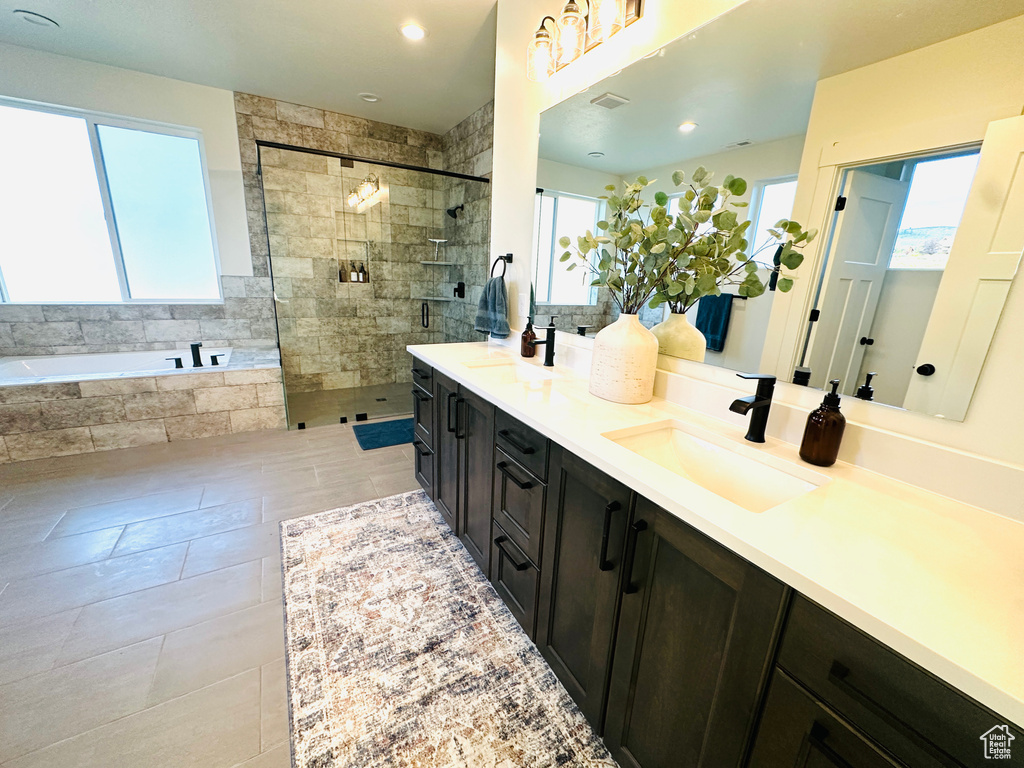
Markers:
(505, 261)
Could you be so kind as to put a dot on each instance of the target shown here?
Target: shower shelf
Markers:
(439, 263)
(431, 298)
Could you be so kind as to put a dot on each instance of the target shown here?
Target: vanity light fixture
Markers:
(35, 18)
(413, 31)
(371, 98)
(581, 25)
(369, 187)
(688, 127)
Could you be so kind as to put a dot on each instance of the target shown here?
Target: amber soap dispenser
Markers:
(824, 431)
(526, 348)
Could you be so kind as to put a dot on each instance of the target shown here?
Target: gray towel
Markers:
(492, 314)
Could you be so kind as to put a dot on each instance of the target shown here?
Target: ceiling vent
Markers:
(609, 101)
(738, 144)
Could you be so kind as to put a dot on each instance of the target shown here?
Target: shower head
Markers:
(453, 212)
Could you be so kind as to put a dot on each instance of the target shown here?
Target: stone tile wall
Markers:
(44, 420)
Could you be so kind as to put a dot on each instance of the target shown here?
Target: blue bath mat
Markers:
(381, 434)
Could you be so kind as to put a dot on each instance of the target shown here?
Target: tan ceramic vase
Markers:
(678, 338)
(624, 362)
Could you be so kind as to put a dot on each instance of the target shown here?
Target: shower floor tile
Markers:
(328, 406)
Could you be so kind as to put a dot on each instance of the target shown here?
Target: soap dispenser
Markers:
(866, 391)
(526, 348)
(824, 431)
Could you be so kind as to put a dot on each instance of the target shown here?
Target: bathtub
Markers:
(30, 370)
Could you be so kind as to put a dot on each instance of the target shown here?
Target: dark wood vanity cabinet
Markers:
(446, 450)
(584, 542)
(423, 421)
(697, 631)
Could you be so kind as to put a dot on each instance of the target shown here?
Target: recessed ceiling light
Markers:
(687, 127)
(595, 155)
(413, 31)
(373, 98)
(36, 18)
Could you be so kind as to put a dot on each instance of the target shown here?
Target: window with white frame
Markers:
(100, 209)
(561, 214)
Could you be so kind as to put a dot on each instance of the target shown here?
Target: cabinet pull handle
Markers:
(602, 561)
(419, 394)
(523, 449)
(420, 374)
(635, 529)
(500, 544)
(816, 738)
(839, 675)
(421, 448)
(458, 418)
(522, 484)
(448, 423)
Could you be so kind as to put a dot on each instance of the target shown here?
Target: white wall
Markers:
(559, 177)
(52, 79)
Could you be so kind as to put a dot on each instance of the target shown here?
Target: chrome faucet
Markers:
(197, 360)
(759, 403)
(548, 343)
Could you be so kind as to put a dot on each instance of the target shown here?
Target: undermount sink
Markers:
(506, 370)
(738, 473)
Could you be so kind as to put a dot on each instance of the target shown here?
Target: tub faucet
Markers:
(548, 343)
(197, 360)
(759, 403)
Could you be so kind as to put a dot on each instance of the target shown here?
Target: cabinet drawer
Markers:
(796, 730)
(423, 466)
(527, 446)
(423, 415)
(519, 503)
(422, 374)
(913, 714)
(515, 579)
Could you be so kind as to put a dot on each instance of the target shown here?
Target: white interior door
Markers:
(862, 244)
(982, 262)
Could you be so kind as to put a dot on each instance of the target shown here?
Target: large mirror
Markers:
(891, 127)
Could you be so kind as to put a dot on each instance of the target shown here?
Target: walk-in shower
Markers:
(360, 270)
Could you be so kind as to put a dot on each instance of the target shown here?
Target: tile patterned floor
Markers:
(140, 596)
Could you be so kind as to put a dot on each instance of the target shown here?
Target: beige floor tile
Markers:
(126, 511)
(162, 531)
(273, 705)
(216, 727)
(280, 481)
(395, 481)
(286, 506)
(232, 547)
(273, 581)
(28, 648)
(215, 650)
(55, 705)
(57, 554)
(152, 612)
(17, 531)
(54, 592)
(278, 757)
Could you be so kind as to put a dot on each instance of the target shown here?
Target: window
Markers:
(931, 216)
(94, 209)
(774, 201)
(560, 214)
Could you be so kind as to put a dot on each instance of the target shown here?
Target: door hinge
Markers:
(840, 203)
(815, 314)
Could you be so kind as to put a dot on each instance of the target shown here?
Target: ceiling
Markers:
(321, 53)
(748, 75)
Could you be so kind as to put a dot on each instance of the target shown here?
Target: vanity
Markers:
(710, 602)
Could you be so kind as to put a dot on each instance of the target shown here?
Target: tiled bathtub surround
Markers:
(59, 419)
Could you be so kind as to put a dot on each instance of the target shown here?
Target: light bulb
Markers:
(606, 18)
(572, 31)
(540, 59)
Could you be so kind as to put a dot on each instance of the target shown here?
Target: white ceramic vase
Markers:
(624, 362)
(678, 338)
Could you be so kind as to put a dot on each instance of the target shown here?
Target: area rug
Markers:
(400, 653)
(381, 434)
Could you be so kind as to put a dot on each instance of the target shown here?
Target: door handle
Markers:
(634, 533)
(523, 449)
(866, 342)
(521, 484)
(602, 561)
(926, 370)
(448, 422)
(500, 544)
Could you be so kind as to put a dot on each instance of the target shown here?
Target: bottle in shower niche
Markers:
(353, 273)
(364, 276)
(824, 431)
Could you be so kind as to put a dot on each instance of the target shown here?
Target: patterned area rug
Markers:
(400, 653)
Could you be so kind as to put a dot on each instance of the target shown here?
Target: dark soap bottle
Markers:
(824, 431)
(526, 348)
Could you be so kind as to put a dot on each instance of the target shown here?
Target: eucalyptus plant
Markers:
(644, 255)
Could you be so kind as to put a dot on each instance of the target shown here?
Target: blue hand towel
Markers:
(492, 314)
(713, 319)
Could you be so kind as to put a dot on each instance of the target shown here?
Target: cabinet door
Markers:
(446, 450)
(518, 504)
(424, 466)
(423, 415)
(585, 530)
(475, 425)
(514, 578)
(697, 631)
(799, 732)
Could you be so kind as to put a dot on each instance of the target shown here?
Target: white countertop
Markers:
(939, 581)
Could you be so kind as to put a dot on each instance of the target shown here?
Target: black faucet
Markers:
(197, 360)
(759, 403)
(548, 343)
